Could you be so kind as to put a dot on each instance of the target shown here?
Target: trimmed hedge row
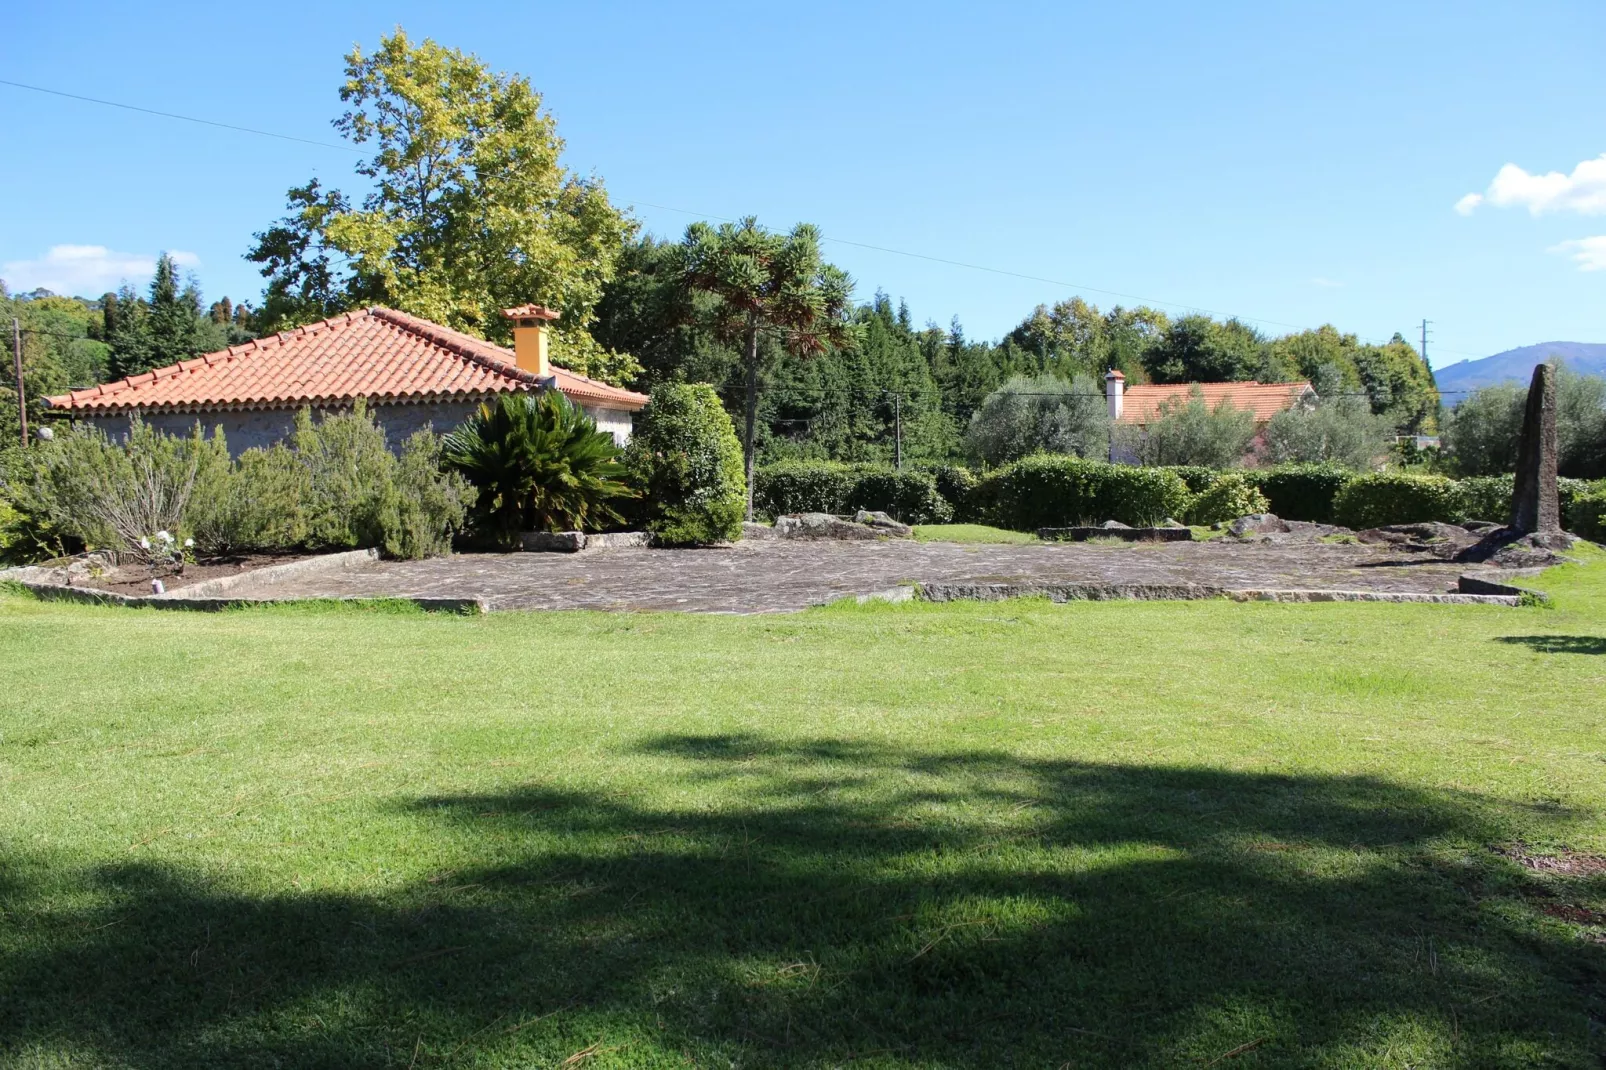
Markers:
(1058, 490)
(832, 487)
(1054, 490)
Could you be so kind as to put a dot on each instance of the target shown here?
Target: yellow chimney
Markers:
(530, 345)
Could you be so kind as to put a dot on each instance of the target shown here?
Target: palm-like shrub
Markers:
(539, 464)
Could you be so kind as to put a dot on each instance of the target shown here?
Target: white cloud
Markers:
(1583, 191)
(1588, 253)
(87, 270)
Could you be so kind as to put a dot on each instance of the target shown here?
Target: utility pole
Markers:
(897, 431)
(1425, 340)
(16, 359)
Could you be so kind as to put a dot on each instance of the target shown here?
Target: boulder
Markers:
(1116, 525)
(882, 522)
(824, 526)
(559, 542)
(1257, 524)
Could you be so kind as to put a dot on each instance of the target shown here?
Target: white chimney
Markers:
(1114, 392)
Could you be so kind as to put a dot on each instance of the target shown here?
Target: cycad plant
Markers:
(539, 464)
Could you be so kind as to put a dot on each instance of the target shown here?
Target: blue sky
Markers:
(1293, 164)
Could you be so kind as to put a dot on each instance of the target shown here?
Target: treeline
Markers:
(73, 342)
(847, 404)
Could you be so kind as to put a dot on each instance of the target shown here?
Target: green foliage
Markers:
(1586, 515)
(165, 328)
(425, 504)
(1050, 490)
(910, 496)
(761, 283)
(350, 471)
(1302, 491)
(1382, 498)
(955, 484)
(116, 493)
(1338, 429)
(1228, 498)
(1196, 477)
(805, 487)
(1189, 432)
(260, 504)
(470, 210)
(830, 487)
(538, 463)
(1481, 433)
(1040, 414)
(1484, 498)
(1197, 349)
(684, 459)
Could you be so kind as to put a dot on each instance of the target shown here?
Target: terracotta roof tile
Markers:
(377, 353)
(1265, 400)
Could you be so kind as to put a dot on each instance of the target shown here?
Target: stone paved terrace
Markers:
(767, 577)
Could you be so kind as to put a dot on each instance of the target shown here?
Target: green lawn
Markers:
(959, 836)
(971, 533)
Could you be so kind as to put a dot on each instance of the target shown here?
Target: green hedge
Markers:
(1196, 477)
(1229, 497)
(832, 487)
(1586, 515)
(1304, 491)
(1395, 498)
(955, 484)
(1058, 490)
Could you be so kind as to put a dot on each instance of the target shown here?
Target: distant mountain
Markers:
(1586, 358)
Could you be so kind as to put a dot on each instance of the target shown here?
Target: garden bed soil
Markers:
(135, 579)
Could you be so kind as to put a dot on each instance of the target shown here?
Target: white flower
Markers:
(189, 544)
(144, 543)
(164, 536)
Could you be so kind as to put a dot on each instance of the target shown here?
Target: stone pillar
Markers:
(1535, 508)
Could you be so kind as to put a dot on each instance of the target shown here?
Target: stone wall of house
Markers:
(244, 429)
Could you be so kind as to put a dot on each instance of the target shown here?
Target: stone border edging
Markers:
(1155, 592)
(271, 574)
(55, 592)
(1468, 584)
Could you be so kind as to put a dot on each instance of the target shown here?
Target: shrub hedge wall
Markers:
(1058, 490)
(1371, 501)
(832, 487)
(1301, 491)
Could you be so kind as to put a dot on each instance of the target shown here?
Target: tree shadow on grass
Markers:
(1558, 644)
(817, 903)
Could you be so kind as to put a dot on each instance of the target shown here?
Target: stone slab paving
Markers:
(771, 577)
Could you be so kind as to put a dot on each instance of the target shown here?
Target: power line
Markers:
(727, 219)
(181, 118)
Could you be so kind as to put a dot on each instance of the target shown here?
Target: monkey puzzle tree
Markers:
(767, 283)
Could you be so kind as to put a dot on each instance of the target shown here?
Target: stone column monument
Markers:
(1535, 508)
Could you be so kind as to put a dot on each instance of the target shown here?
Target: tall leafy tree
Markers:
(470, 209)
(767, 284)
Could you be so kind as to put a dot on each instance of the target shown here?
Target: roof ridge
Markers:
(456, 342)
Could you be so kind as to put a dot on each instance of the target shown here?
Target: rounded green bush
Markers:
(1229, 497)
(687, 462)
(1395, 498)
(1302, 491)
(956, 484)
(1197, 477)
(1058, 490)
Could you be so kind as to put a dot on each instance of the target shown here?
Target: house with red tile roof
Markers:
(1142, 404)
(411, 373)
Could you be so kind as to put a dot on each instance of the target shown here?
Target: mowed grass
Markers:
(989, 835)
(971, 533)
